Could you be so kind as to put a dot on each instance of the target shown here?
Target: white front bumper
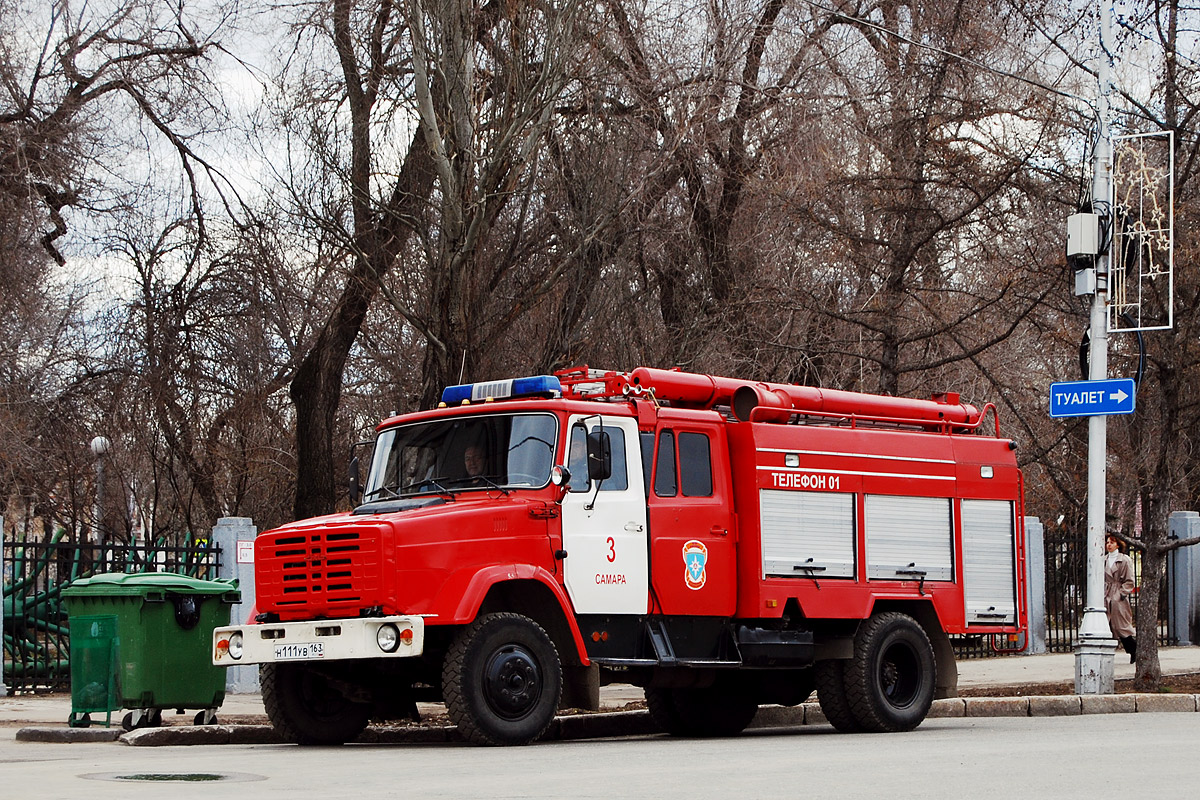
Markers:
(321, 640)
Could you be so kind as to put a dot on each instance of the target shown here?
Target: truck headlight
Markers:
(387, 637)
(235, 646)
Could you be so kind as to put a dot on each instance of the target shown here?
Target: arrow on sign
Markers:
(1119, 395)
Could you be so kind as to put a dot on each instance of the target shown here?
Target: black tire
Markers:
(785, 687)
(147, 718)
(502, 680)
(831, 694)
(306, 706)
(661, 705)
(802, 688)
(701, 713)
(890, 681)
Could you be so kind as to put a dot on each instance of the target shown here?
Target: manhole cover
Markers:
(174, 777)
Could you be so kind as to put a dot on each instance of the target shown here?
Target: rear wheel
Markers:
(831, 694)
(502, 680)
(890, 681)
(709, 712)
(661, 705)
(310, 707)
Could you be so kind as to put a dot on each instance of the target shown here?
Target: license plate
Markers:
(299, 651)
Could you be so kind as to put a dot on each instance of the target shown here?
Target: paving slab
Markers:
(997, 706)
(1108, 704)
(779, 716)
(1165, 702)
(949, 707)
(67, 735)
(1062, 706)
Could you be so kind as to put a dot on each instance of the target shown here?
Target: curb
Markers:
(629, 723)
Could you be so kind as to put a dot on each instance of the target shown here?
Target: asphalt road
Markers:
(1063, 757)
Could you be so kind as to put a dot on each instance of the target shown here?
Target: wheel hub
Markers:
(899, 675)
(512, 682)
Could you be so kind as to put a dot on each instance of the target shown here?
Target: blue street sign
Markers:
(1092, 398)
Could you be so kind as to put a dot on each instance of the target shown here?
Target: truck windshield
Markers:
(502, 451)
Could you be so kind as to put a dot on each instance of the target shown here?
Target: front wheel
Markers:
(502, 680)
(890, 681)
(308, 706)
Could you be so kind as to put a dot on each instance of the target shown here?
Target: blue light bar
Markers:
(533, 386)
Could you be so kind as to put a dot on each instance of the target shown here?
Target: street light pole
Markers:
(100, 445)
(1095, 648)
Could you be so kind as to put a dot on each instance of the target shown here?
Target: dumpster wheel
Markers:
(142, 718)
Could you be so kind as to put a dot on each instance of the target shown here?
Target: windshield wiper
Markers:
(425, 485)
(391, 490)
(491, 483)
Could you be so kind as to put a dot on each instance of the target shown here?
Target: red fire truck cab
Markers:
(721, 543)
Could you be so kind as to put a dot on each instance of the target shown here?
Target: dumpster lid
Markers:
(126, 584)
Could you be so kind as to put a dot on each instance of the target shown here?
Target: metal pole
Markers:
(3, 688)
(99, 446)
(1094, 652)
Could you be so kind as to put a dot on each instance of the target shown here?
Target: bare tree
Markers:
(76, 83)
(923, 200)
(368, 45)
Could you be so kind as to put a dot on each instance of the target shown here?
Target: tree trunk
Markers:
(316, 391)
(1148, 674)
(316, 388)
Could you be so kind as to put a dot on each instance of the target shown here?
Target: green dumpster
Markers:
(162, 648)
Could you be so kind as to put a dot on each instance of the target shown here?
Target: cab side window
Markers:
(577, 461)
(695, 465)
(665, 483)
(619, 480)
(647, 441)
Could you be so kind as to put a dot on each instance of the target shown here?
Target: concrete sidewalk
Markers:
(43, 717)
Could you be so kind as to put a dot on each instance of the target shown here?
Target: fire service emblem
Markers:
(695, 555)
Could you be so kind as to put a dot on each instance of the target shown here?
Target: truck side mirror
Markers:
(599, 456)
(355, 482)
(355, 486)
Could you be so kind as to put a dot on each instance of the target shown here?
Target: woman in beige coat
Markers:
(1118, 587)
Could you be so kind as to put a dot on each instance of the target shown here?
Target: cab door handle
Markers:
(633, 527)
(717, 530)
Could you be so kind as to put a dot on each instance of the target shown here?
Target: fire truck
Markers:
(721, 543)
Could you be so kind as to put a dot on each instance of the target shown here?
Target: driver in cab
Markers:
(474, 466)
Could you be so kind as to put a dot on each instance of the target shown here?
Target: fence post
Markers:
(235, 537)
(3, 688)
(1183, 619)
(1035, 583)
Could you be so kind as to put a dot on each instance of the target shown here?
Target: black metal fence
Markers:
(1066, 591)
(36, 644)
(1066, 587)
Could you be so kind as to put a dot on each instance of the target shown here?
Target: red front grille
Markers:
(321, 571)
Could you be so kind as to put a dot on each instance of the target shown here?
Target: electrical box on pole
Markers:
(1083, 245)
(1083, 235)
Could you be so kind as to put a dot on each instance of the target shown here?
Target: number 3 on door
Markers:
(612, 549)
